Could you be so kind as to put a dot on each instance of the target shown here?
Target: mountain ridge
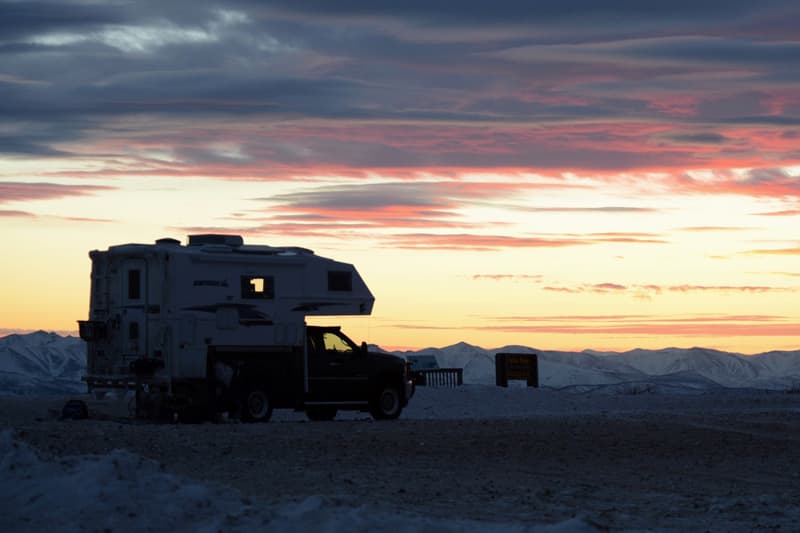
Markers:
(45, 362)
(775, 369)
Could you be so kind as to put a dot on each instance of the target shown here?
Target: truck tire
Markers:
(256, 405)
(387, 403)
(321, 413)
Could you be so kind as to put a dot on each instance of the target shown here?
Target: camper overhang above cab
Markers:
(285, 283)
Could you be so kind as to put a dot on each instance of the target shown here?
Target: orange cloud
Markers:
(784, 213)
(774, 251)
(476, 242)
(704, 229)
(697, 329)
(698, 325)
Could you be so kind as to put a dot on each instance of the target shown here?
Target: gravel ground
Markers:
(701, 462)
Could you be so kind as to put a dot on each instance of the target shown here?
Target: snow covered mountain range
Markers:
(41, 363)
(668, 369)
(47, 363)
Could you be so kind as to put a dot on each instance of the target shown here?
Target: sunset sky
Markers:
(561, 174)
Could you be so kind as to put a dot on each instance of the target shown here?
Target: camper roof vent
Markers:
(167, 241)
(215, 238)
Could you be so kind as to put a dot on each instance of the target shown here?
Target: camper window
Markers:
(258, 287)
(340, 280)
(134, 285)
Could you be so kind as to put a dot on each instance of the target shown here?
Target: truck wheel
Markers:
(256, 405)
(321, 413)
(387, 404)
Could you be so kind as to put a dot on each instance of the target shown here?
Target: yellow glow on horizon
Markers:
(439, 296)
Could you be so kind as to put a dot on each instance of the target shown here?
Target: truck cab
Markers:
(343, 375)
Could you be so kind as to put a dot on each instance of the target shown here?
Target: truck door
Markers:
(134, 320)
(337, 370)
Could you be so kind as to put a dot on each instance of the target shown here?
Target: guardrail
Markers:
(439, 377)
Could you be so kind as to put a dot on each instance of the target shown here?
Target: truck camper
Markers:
(218, 325)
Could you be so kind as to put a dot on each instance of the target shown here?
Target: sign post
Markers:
(516, 366)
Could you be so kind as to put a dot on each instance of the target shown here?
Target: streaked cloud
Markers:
(712, 229)
(729, 288)
(696, 328)
(10, 213)
(788, 274)
(624, 318)
(700, 325)
(640, 290)
(600, 209)
(536, 278)
(88, 219)
(23, 192)
(774, 251)
(782, 213)
(477, 242)
(755, 183)
(666, 326)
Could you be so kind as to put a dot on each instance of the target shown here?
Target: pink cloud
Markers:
(784, 213)
(22, 192)
(680, 106)
(608, 287)
(303, 149)
(512, 277)
(6, 213)
(87, 219)
(643, 290)
(759, 183)
(727, 288)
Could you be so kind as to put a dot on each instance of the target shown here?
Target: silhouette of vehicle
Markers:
(219, 326)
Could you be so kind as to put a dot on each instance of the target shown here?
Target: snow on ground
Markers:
(123, 491)
(669, 393)
(472, 458)
(482, 402)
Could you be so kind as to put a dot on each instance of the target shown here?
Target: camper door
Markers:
(134, 301)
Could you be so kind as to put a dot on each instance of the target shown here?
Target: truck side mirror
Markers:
(364, 348)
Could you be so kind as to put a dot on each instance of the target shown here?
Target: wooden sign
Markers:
(516, 366)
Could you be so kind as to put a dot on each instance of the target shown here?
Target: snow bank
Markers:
(122, 491)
